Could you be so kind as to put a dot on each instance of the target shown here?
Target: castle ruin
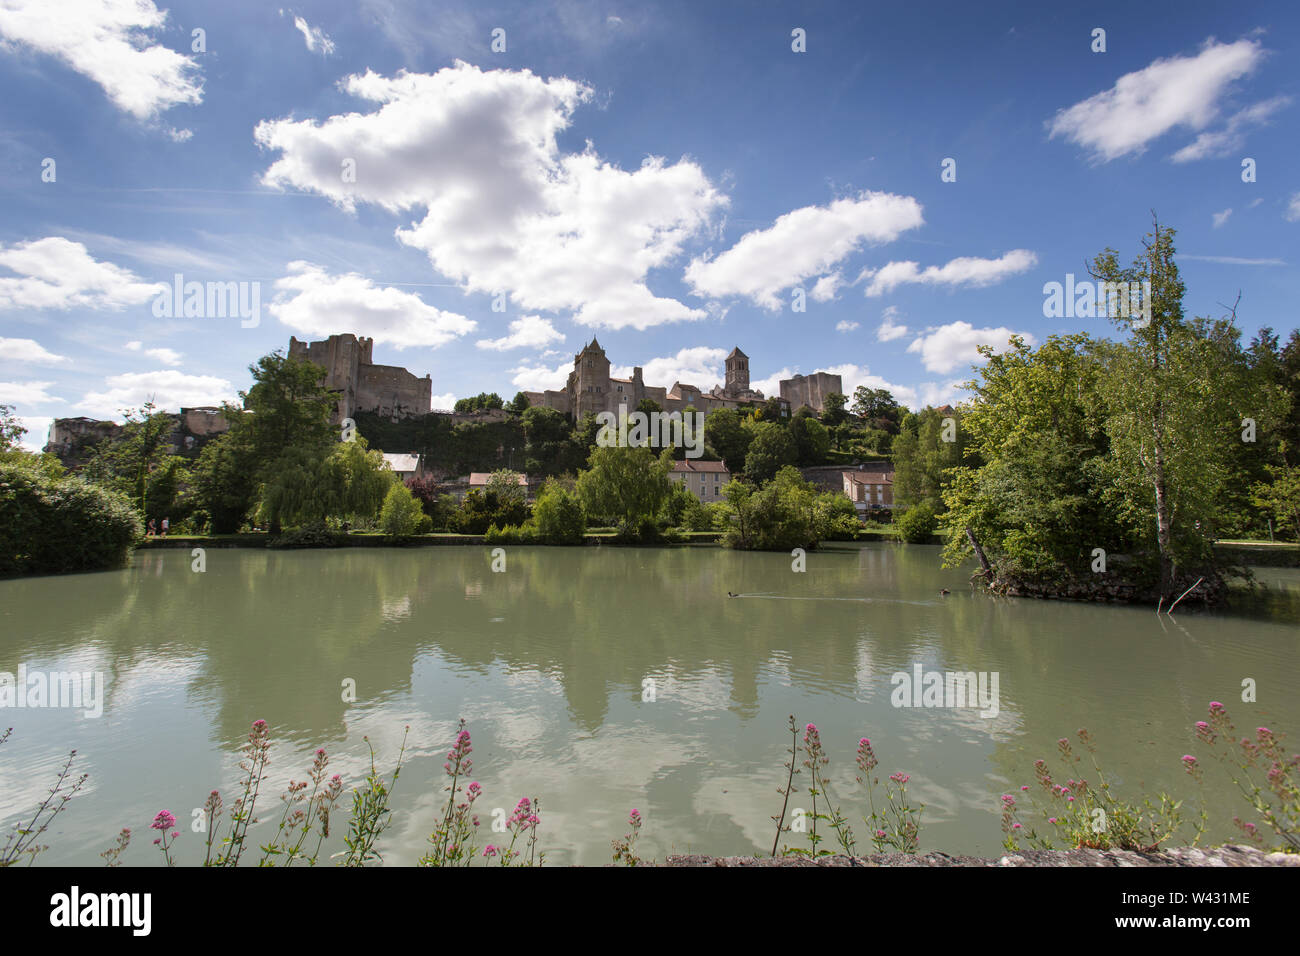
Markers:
(362, 385)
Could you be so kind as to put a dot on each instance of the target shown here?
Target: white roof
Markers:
(403, 462)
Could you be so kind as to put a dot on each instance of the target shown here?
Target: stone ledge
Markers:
(1221, 856)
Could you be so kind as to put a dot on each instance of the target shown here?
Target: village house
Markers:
(869, 490)
(405, 467)
(704, 479)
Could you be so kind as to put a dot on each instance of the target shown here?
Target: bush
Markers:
(918, 524)
(510, 534)
(56, 525)
(315, 535)
(401, 513)
(558, 516)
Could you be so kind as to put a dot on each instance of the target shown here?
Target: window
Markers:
(620, 388)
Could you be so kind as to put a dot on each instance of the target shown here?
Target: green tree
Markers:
(726, 436)
(483, 401)
(557, 514)
(625, 485)
(812, 440)
(927, 445)
(1176, 393)
(833, 411)
(771, 449)
(401, 511)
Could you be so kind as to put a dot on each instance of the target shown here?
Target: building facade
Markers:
(704, 479)
(363, 386)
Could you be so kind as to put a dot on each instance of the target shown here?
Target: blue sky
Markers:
(664, 178)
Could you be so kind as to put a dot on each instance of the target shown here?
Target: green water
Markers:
(547, 660)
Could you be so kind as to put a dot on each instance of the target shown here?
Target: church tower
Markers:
(737, 372)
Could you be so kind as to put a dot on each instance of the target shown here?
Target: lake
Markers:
(548, 661)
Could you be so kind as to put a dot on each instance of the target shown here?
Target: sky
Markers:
(482, 188)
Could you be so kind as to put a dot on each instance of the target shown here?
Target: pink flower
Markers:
(164, 821)
(1051, 819)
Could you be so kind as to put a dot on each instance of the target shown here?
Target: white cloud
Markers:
(772, 384)
(1293, 208)
(503, 208)
(315, 37)
(964, 271)
(444, 402)
(700, 366)
(826, 287)
(800, 244)
(108, 41)
(315, 303)
(1179, 91)
(889, 329)
(1221, 217)
(845, 326)
(945, 348)
(135, 346)
(27, 351)
(56, 273)
(852, 376)
(529, 331)
(26, 393)
(1234, 260)
(1223, 141)
(165, 356)
(539, 378)
(168, 389)
(38, 431)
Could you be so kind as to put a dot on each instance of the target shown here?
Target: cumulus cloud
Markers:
(700, 366)
(889, 329)
(965, 271)
(110, 42)
(315, 303)
(539, 378)
(56, 273)
(800, 244)
(1178, 91)
(444, 402)
(26, 393)
(315, 37)
(1221, 217)
(1223, 141)
(168, 389)
(529, 331)
(502, 208)
(1293, 208)
(845, 326)
(826, 287)
(947, 347)
(28, 352)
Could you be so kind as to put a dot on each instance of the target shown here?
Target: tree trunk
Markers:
(979, 553)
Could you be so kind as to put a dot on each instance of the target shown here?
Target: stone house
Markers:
(704, 479)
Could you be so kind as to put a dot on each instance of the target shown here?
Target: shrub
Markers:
(401, 513)
(510, 534)
(56, 525)
(314, 535)
(918, 524)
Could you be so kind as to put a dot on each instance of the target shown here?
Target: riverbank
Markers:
(1222, 856)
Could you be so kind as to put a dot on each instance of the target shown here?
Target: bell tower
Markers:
(737, 372)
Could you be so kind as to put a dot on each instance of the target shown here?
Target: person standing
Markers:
(165, 524)
(149, 529)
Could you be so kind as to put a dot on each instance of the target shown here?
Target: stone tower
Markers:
(737, 372)
(588, 384)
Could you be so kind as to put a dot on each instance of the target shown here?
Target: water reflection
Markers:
(549, 660)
